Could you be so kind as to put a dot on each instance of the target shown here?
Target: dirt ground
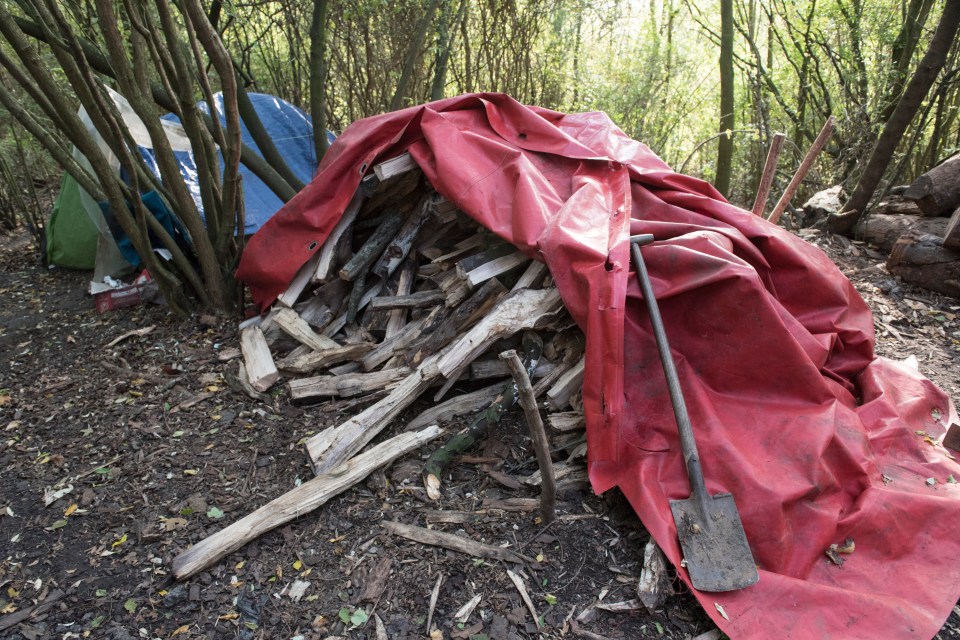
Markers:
(142, 449)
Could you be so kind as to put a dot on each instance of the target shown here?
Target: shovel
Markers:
(715, 549)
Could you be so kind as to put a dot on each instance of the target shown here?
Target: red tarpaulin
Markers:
(814, 436)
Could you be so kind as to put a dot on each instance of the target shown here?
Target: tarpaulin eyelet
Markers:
(363, 168)
(313, 245)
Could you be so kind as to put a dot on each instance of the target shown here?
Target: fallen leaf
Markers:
(69, 511)
(233, 615)
(59, 524)
(183, 629)
(119, 541)
(297, 565)
(214, 513)
(721, 611)
(172, 524)
(130, 605)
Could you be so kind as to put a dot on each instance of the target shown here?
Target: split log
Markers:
(339, 236)
(297, 502)
(385, 350)
(951, 236)
(399, 247)
(394, 167)
(937, 192)
(469, 244)
(332, 446)
(443, 210)
(298, 329)
(394, 187)
(473, 308)
(495, 268)
(568, 384)
(488, 368)
(317, 359)
(341, 320)
(532, 277)
(361, 261)
(457, 406)
(300, 281)
(315, 313)
(258, 362)
(398, 317)
(882, 230)
(453, 542)
(921, 259)
(347, 385)
(567, 421)
(409, 301)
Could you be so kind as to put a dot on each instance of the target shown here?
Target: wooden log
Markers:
(361, 261)
(394, 167)
(315, 313)
(340, 235)
(458, 406)
(921, 259)
(297, 502)
(393, 188)
(883, 230)
(443, 210)
(572, 381)
(298, 329)
(489, 368)
(951, 235)
(345, 386)
(409, 301)
(341, 320)
(937, 192)
(317, 359)
(385, 350)
(258, 362)
(399, 247)
(495, 267)
(300, 281)
(398, 317)
(453, 542)
(332, 446)
(498, 249)
(567, 421)
(464, 246)
(532, 277)
(454, 286)
(519, 310)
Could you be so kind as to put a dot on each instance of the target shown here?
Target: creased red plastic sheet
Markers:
(816, 438)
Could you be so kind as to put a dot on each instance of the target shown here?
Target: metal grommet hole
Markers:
(313, 245)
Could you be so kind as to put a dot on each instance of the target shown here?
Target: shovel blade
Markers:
(715, 548)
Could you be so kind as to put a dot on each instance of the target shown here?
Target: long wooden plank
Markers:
(297, 502)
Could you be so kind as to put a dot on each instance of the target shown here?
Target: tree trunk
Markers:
(725, 148)
(907, 107)
(413, 54)
(937, 192)
(884, 229)
(318, 77)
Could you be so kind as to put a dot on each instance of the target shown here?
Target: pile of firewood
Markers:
(917, 225)
(407, 297)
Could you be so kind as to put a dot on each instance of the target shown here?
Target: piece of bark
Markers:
(655, 585)
(345, 386)
(329, 448)
(399, 247)
(257, 359)
(416, 300)
(453, 542)
(520, 310)
(296, 503)
(300, 281)
(548, 492)
(473, 308)
(951, 235)
(365, 256)
(532, 277)
(882, 230)
(326, 261)
(457, 406)
(298, 329)
(376, 581)
(318, 359)
(921, 259)
(385, 350)
(567, 421)
(937, 192)
(569, 383)
(495, 267)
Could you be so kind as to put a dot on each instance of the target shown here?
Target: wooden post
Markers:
(769, 171)
(808, 160)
